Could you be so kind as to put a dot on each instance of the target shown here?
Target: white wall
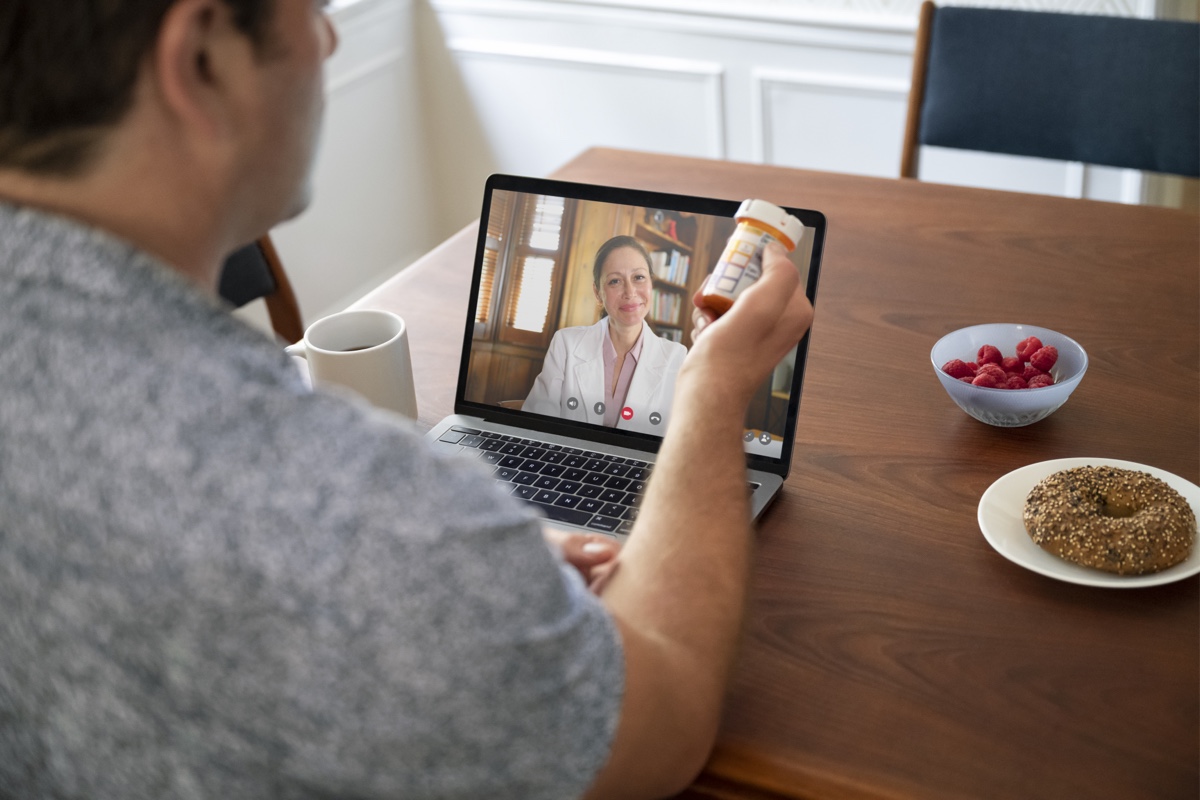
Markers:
(428, 97)
(818, 84)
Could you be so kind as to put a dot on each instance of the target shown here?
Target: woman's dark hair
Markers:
(68, 68)
(616, 243)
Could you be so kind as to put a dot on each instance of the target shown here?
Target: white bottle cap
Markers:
(772, 215)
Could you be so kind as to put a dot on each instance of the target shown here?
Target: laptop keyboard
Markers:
(567, 484)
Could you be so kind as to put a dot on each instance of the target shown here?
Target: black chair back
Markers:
(1114, 91)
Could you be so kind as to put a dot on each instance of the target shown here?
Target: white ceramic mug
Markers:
(365, 351)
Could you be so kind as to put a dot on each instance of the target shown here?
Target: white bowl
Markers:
(1009, 408)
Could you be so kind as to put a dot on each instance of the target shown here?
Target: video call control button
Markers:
(572, 403)
(765, 439)
(748, 436)
(626, 413)
(599, 409)
(655, 418)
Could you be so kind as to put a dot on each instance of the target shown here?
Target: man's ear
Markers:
(198, 61)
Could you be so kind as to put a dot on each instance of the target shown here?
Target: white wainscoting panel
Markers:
(825, 121)
(540, 101)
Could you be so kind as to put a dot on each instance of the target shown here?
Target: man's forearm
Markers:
(679, 595)
(685, 567)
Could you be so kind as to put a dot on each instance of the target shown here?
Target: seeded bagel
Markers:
(1117, 520)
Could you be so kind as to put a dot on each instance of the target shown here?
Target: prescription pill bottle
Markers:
(740, 265)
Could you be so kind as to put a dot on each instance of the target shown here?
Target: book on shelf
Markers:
(665, 307)
(672, 334)
(671, 266)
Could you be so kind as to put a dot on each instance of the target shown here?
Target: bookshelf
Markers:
(679, 246)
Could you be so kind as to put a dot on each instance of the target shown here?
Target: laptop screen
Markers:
(581, 311)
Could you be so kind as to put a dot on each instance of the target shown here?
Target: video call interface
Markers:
(540, 316)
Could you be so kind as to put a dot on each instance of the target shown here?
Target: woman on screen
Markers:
(616, 372)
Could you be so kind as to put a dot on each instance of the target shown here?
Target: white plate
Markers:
(1000, 519)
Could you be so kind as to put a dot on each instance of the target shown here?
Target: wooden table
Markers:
(889, 651)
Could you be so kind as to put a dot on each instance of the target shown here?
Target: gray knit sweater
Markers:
(216, 584)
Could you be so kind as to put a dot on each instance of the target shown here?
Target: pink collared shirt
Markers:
(614, 401)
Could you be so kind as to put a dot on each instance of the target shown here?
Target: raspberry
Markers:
(988, 380)
(974, 365)
(1015, 382)
(989, 354)
(967, 378)
(1031, 372)
(994, 370)
(1012, 364)
(1027, 347)
(1038, 381)
(957, 368)
(1044, 357)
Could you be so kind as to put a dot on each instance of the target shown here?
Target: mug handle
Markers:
(297, 349)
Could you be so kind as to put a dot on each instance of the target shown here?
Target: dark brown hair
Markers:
(68, 68)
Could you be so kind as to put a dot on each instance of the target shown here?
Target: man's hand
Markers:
(745, 344)
(594, 555)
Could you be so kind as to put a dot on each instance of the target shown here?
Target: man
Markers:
(217, 584)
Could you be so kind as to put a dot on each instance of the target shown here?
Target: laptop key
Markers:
(575, 474)
(553, 470)
(511, 461)
(492, 445)
(589, 490)
(608, 524)
(617, 483)
(590, 504)
(472, 441)
(612, 510)
(595, 478)
(569, 487)
(525, 478)
(464, 429)
(545, 497)
(616, 469)
(612, 496)
(505, 473)
(568, 500)
(546, 482)
(488, 457)
(572, 516)
(452, 436)
(524, 492)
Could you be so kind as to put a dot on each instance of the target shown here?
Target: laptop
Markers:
(555, 446)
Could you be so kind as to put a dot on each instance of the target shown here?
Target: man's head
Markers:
(68, 69)
(185, 126)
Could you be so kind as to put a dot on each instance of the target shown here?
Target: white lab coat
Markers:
(574, 369)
